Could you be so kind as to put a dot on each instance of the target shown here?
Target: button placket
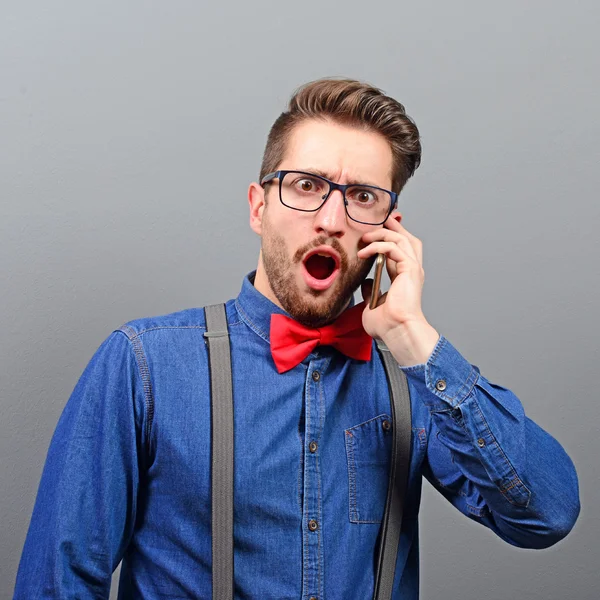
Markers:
(312, 564)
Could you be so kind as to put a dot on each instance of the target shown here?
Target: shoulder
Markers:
(174, 324)
(189, 318)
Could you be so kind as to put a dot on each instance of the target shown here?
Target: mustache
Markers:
(322, 241)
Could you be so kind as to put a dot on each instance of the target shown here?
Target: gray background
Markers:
(129, 132)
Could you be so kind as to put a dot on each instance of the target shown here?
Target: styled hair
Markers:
(353, 103)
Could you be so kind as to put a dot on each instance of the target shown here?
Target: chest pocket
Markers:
(368, 448)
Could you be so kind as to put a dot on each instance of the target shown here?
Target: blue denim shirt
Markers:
(127, 476)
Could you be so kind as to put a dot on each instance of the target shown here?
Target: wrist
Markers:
(412, 342)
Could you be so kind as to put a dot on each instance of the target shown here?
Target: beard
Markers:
(310, 308)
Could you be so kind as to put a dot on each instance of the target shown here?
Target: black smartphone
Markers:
(379, 262)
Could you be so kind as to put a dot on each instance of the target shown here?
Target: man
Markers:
(128, 470)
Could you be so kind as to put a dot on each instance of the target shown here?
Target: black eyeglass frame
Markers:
(332, 186)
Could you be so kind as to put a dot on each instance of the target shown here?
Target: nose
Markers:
(330, 219)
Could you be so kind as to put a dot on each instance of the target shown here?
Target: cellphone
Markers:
(379, 262)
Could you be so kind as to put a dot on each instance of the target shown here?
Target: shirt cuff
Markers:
(447, 375)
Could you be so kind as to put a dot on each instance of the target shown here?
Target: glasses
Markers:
(307, 192)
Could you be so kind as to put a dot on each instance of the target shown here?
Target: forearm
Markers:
(489, 458)
(516, 472)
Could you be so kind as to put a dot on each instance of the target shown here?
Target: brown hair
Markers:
(354, 103)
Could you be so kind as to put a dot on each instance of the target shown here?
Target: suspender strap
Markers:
(398, 475)
(221, 388)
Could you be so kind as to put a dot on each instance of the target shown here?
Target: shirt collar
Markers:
(255, 309)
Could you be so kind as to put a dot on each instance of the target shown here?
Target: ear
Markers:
(396, 216)
(256, 199)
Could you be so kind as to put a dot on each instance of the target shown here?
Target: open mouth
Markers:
(320, 266)
(321, 269)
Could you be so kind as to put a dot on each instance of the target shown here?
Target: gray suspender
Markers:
(398, 475)
(221, 387)
(221, 391)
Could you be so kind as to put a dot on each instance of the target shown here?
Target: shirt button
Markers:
(440, 385)
(312, 447)
(316, 375)
(386, 425)
(312, 525)
(481, 442)
(313, 598)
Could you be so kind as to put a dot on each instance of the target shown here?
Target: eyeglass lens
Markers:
(306, 192)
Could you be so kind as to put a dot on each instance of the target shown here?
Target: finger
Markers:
(393, 224)
(383, 235)
(391, 250)
(396, 226)
(391, 236)
(391, 268)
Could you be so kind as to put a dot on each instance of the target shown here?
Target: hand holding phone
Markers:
(379, 262)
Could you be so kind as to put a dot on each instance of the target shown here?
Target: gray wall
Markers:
(129, 133)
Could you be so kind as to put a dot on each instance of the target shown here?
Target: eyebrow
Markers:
(329, 176)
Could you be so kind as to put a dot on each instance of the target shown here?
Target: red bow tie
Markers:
(292, 342)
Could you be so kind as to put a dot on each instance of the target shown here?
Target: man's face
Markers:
(344, 154)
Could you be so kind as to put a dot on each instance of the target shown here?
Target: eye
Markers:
(308, 185)
(363, 196)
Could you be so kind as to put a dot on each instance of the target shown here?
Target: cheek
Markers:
(295, 232)
(356, 245)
